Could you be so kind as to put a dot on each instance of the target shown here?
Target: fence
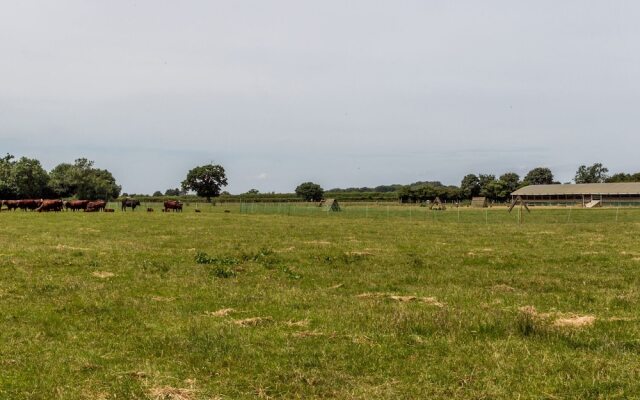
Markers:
(495, 215)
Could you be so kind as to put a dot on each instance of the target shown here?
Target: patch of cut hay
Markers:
(103, 274)
(575, 322)
(62, 247)
(503, 288)
(163, 299)
(286, 250)
(220, 313)
(300, 324)
(171, 393)
(320, 242)
(359, 253)
(621, 319)
(305, 334)
(636, 259)
(255, 321)
(338, 286)
(403, 299)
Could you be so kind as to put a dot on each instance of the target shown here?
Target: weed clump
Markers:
(222, 266)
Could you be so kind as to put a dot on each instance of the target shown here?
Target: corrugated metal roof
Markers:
(580, 189)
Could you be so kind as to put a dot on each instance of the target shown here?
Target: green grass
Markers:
(69, 330)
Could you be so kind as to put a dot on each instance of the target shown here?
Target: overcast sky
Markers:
(343, 93)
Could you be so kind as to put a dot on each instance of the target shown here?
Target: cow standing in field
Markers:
(50, 205)
(133, 203)
(94, 206)
(172, 205)
(74, 205)
(11, 204)
(29, 204)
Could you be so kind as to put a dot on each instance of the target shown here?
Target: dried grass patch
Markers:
(62, 247)
(305, 334)
(103, 274)
(319, 242)
(575, 322)
(255, 321)
(403, 299)
(220, 313)
(172, 393)
(503, 288)
(163, 299)
(299, 324)
(359, 253)
(338, 286)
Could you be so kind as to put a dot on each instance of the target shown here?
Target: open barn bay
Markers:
(230, 305)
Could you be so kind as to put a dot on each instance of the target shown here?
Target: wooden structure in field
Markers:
(330, 205)
(479, 202)
(437, 204)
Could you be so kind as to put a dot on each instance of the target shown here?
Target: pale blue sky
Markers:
(344, 93)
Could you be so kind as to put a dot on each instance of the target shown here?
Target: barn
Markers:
(585, 194)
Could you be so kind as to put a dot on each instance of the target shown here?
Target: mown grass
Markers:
(128, 305)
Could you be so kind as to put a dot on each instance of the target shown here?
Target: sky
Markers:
(342, 93)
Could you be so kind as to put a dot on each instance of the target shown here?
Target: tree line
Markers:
(494, 188)
(25, 178)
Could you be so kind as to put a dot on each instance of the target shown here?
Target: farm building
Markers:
(585, 194)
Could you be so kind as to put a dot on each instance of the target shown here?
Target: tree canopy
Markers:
(310, 191)
(538, 176)
(596, 173)
(206, 180)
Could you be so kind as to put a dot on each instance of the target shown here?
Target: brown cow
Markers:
(149, 209)
(74, 205)
(94, 206)
(172, 205)
(11, 204)
(29, 204)
(50, 205)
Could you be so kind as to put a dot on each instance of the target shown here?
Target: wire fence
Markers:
(495, 215)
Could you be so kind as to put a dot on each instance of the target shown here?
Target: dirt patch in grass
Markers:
(172, 393)
(254, 321)
(576, 322)
(103, 274)
(220, 313)
(403, 299)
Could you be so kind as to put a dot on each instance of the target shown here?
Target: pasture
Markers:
(370, 303)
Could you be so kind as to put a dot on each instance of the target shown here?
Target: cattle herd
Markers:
(42, 205)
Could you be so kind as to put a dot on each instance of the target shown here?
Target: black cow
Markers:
(133, 203)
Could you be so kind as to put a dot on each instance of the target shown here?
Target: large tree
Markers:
(596, 173)
(470, 186)
(206, 180)
(310, 191)
(538, 176)
(511, 181)
(83, 181)
(29, 178)
(7, 182)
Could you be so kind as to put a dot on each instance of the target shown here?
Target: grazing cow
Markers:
(94, 206)
(29, 204)
(133, 203)
(149, 209)
(74, 205)
(11, 204)
(50, 205)
(172, 205)
(197, 210)
(109, 210)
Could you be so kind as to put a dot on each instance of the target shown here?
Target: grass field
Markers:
(363, 304)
